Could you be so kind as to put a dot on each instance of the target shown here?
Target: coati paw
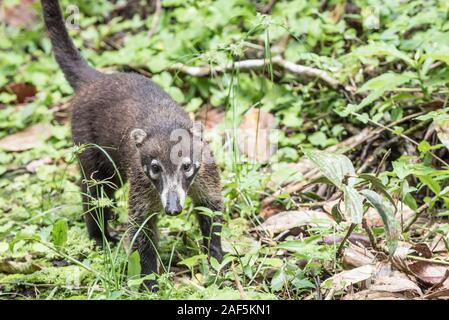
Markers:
(149, 285)
(99, 241)
(217, 253)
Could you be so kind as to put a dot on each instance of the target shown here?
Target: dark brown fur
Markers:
(106, 108)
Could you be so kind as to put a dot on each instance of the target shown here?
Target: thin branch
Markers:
(342, 244)
(250, 64)
(155, 21)
(242, 292)
(369, 232)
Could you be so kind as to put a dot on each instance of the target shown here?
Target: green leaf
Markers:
(134, 268)
(378, 86)
(336, 213)
(333, 166)
(378, 185)
(431, 183)
(383, 49)
(353, 204)
(59, 233)
(192, 261)
(386, 213)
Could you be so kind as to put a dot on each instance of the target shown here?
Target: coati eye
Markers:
(155, 168)
(187, 167)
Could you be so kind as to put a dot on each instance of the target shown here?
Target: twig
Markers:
(444, 263)
(369, 232)
(418, 213)
(242, 292)
(330, 295)
(382, 161)
(155, 20)
(342, 244)
(250, 64)
(381, 148)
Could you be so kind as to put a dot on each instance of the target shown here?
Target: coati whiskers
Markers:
(141, 124)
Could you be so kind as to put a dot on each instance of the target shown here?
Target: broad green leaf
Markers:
(333, 166)
(134, 268)
(387, 81)
(378, 185)
(353, 204)
(59, 233)
(378, 86)
(385, 211)
(431, 183)
(192, 261)
(383, 49)
(336, 213)
(441, 55)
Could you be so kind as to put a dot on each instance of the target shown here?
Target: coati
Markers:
(140, 127)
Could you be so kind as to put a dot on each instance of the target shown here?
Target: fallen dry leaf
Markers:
(353, 238)
(379, 277)
(33, 165)
(288, 220)
(23, 91)
(404, 214)
(442, 129)
(270, 210)
(254, 135)
(22, 14)
(355, 256)
(27, 139)
(394, 281)
(374, 295)
(10, 266)
(338, 11)
(423, 250)
(438, 245)
(346, 278)
(431, 273)
(210, 117)
(443, 294)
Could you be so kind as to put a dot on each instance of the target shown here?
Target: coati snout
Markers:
(169, 161)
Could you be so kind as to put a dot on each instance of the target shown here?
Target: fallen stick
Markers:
(250, 64)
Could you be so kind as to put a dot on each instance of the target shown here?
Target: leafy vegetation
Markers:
(358, 183)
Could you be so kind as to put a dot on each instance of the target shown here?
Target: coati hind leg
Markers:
(206, 192)
(98, 182)
(144, 236)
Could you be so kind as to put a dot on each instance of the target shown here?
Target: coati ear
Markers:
(138, 135)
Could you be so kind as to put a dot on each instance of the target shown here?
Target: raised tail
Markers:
(75, 68)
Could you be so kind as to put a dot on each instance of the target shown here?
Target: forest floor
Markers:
(348, 201)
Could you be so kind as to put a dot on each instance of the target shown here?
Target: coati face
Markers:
(169, 163)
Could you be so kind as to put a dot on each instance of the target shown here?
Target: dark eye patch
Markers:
(155, 168)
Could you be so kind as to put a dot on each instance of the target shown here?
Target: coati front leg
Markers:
(206, 192)
(144, 236)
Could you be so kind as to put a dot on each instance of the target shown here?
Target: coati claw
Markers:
(150, 285)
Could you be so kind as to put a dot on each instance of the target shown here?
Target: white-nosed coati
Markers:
(139, 125)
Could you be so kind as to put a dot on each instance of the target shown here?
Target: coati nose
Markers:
(173, 207)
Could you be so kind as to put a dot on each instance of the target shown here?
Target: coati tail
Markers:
(75, 68)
